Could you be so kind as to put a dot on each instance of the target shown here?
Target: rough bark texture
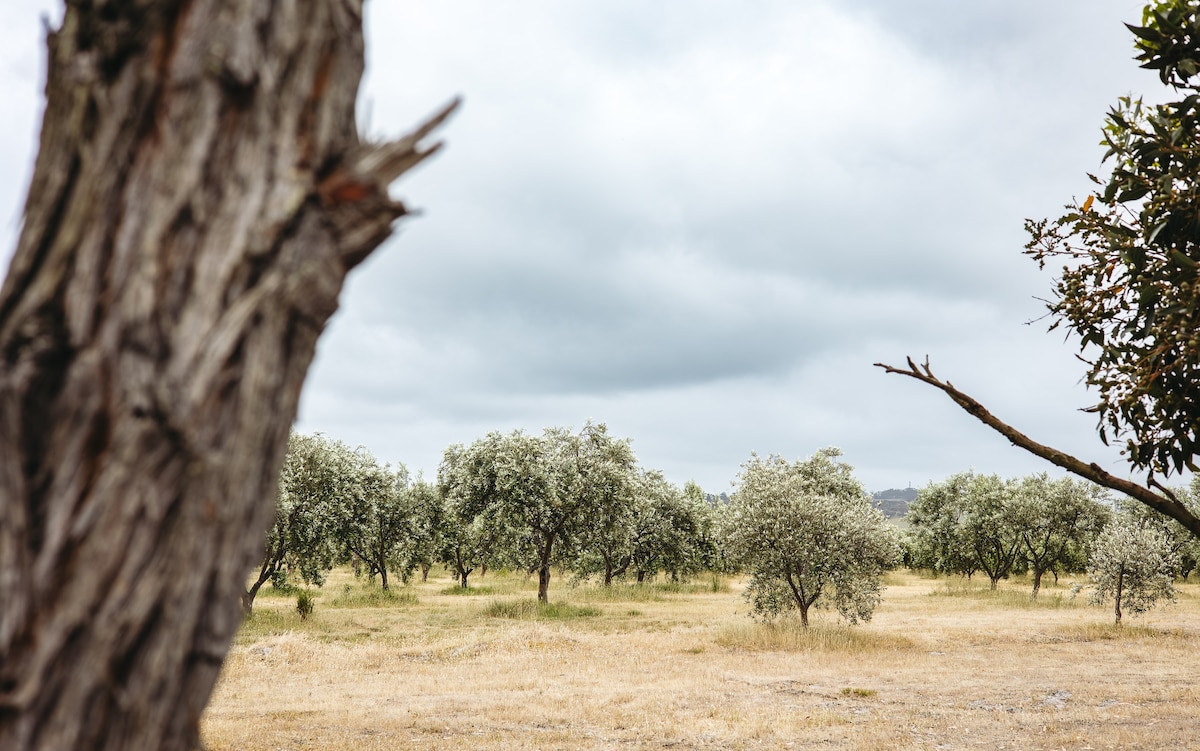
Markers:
(1166, 503)
(199, 195)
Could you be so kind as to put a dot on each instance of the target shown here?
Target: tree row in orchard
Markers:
(982, 524)
(574, 500)
(805, 531)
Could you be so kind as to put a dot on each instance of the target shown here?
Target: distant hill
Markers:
(893, 502)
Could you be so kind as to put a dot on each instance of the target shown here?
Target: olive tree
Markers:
(377, 521)
(467, 541)
(807, 534)
(706, 553)
(605, 485)
(1128, 286)
(539, 489)
(301, 537)
(513, 481)
(428, 508)
(933, 539)
(200, 193)
(1056, 521)
(966, 524)
(1132, 564)
(667, 529)
(468, 535)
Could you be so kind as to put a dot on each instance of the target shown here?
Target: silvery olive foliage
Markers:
(671, 529)
(606, 483)
(513, 481)
(808, 536)
(429, 509)
(658, 528)
(1133, 565)
(338, 504)
(573, 499)
(377, 522)
(471, 537)
(602, 545)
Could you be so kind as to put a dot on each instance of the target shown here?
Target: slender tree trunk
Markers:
(803, 600)
(543, 569)
(270, 565)
(460, 566)
(1037, 581)
(383, 579)
(249, 595)
(199, 195)
(1117, 598)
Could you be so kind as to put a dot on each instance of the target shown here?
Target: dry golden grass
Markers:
(942, 666)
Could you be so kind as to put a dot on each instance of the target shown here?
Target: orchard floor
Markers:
(943, 665)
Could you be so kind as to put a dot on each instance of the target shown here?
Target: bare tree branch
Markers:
(1167, 505)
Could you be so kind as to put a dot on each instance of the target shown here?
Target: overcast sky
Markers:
(701, 223)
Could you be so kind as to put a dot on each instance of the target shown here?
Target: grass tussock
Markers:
(787, 635)
(263, 622)
(532, 610)
(372, 597)
(1009, 595)
(460, 591)
(652, 591)
(1096, 632)
(714, 584)
(619, 593)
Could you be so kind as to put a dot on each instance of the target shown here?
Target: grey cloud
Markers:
(702, 222)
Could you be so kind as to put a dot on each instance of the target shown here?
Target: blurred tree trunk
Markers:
(199, 194)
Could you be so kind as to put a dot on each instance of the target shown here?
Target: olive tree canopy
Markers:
(806, 533)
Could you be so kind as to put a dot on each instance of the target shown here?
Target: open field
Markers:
(942, 666)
